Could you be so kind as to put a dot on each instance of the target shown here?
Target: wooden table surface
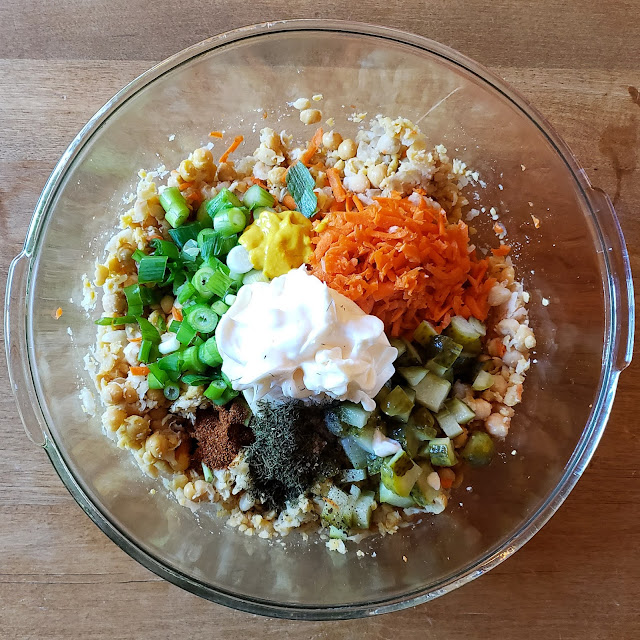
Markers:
(577, 61)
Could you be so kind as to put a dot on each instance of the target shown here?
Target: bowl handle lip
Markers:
(18, 364)
(620, 278)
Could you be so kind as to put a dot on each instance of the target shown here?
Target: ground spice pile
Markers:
(219, 434)
(292, 450)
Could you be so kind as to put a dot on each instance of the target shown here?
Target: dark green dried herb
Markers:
(292, 450)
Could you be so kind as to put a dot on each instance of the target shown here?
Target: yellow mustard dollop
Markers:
(278, 242)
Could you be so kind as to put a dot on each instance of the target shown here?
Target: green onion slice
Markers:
(202, 318)
(152, 268)
(256, 196)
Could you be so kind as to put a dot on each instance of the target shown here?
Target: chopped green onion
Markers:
(114, 322)
(195, 380)
(149, 332)
(187, 232)
(165, 248)
(206, 472)
(211, 245)
(174, 325)
(190, 251)
(152, 268)
(229, 299)
(160, 324)
(186, 291)
(256, 196)
(145, 351)
(215, 390)
(191, 360)
(171, 392)
(201, 279)
(172, 365)
(228, 394)
(157, 377)
(179, 277)
(220, 307)
(202, 216)
(202, 318)
(138, 254)
(209, 354)
(218, 283)
(186, 333)
(301, 184)
(175, 206)
(230, 221)
(206, 233)
(134, 300)
(227, 244)
(224, 198)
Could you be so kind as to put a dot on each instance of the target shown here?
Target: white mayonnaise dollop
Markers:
(296, 337)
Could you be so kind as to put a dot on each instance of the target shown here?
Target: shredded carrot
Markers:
(155, 236)
(177, 314)
(135, 339)
(401, 261)
(502, 250)
(139, 371)
(339, 192)
(216, 134)
(58, 313)
(259, 182)
(237, 141)
(185, 185)
(289, 202)
(498, 228)
(447, 477)
(313, 147)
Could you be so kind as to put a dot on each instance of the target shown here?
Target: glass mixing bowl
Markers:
(576, 261)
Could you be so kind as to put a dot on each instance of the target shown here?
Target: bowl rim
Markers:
(613, 346)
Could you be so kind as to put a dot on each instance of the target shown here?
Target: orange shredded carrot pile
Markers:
(237, 141)
(402, 262)
(313, 147)
(216, 134)
(289, 202)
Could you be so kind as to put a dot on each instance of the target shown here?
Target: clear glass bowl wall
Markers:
(227, 83)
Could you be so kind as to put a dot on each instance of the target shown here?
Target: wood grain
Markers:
(577, 62)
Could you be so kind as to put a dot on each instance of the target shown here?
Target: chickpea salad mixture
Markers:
(306, 338)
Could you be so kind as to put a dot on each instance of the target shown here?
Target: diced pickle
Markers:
(444, 351)
(483, 381)
(448, 423)
(353, 475)
(397, 403)
(337, 533)
(424, 332)
(399, 344)
(460, 411)
(358, 457)
(388, 496)
(479, 449)
(412, 375)
(353, 414)
(338, 508)
(441, 452)
(463, 332)
(374, 464)
(362, 510)
(432, 391)
(399, 473)
(406, 436)
(422, 419)
(410, 357)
